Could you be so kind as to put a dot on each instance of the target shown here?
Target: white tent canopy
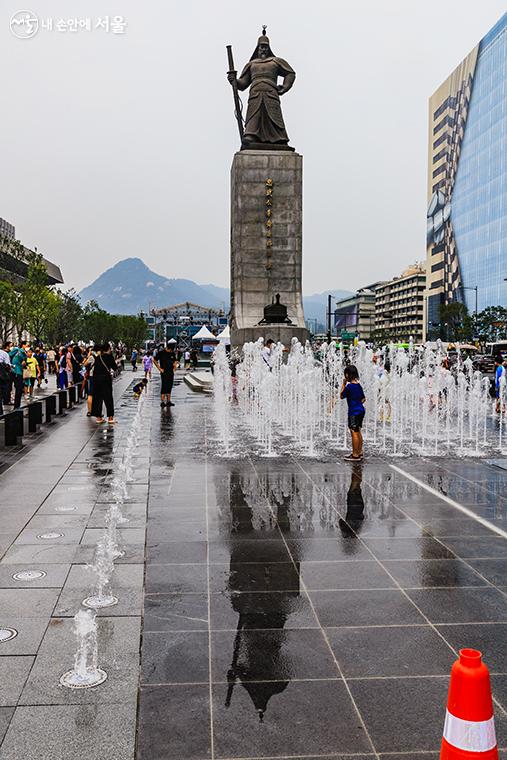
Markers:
(225, 336)
(204, 334)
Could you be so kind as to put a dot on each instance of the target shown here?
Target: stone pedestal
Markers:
(266, 243)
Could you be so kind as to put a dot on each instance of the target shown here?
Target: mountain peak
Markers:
(130, 286)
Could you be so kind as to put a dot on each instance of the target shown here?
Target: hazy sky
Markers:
(117, 145)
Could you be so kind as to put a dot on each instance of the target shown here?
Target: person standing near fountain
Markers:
(352, 391)
(267, 353)
(165, 362)
(103, 370)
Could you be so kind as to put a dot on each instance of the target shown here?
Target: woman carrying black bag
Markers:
(103, 372)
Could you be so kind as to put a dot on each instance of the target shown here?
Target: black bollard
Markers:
(34, 416)
(50, 407)
(13, 427)
(62, 401)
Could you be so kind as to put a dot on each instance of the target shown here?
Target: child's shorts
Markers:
(356, 422)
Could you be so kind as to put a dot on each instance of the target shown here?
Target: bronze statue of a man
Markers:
(264, 121)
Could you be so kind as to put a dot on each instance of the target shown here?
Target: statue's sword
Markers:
(237, 102)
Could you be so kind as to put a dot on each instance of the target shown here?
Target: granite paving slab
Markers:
(126, 585)
(30, 632)
(13, 674)
(54, 575)
(118, 646)
(6, 714)
(45, 553)
(69, 732)
(29, 536)
(135, 513)
(322, 715)
(26, 602)
(126, 536)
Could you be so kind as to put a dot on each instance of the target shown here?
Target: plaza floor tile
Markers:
(180, 579)
(402, 715)
(118, 646)
(175, 657)
(461, 605)
(270, 655)
(459, 526)
(477, 547)
(494, 570)
(256, 550)
(98, 731)
(356, 608)
(427, 573)
(29, 536)
(54, 575)
(256, 576)
(322, 719)
(177, 552)
(261, 611)
(126, 585)
(174, 723)
(13, 674)
(27, 603)
(390, 651)
(6, 714)
(344, 546)
(191, 530)
(176, 612)
(488, 638)
(344, 575)
(408, 548)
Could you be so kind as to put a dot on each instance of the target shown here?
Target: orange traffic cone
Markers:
(469, 729)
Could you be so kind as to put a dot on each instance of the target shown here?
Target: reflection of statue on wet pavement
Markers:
(264, 121)
(351, 526)
(259, 661)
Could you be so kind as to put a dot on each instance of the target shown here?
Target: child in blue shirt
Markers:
(353, 392)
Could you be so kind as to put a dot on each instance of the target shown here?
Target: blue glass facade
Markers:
(479, 197)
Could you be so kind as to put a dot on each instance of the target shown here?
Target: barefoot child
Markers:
(353, 392)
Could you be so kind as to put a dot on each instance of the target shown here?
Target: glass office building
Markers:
(467, 182)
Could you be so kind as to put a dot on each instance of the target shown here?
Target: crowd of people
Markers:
(24, 367)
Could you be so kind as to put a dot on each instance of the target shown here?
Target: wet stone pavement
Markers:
(311, 609)
(268, 608)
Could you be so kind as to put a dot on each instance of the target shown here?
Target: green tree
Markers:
(491, 323)
(40, 303)
(7, 310)
(67, 321)
(132, 331)
(457, 324)
(97, 324)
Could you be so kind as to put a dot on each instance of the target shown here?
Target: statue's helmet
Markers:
(263, 40)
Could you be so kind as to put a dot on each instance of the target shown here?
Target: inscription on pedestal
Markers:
(266, 240)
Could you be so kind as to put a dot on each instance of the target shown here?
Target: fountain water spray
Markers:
(415, 403)
(222, 390)
(103, 567)
(85, 673)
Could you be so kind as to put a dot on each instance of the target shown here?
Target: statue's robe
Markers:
(264, 121)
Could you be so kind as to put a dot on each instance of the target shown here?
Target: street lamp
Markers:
(475, 287)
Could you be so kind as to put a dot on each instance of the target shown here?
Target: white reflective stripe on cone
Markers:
(470, 736)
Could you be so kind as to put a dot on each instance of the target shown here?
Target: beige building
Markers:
(399, 306)
(448, 112)
(354, 316)
(467, 183)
